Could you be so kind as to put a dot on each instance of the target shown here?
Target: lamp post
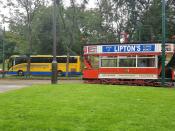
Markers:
(54, 61)
(163, 43)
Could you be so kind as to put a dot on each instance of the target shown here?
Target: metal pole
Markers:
(163, 43)
(54, 62)
(3, 54)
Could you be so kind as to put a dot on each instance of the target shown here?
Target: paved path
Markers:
(4, 88)
(11, 84)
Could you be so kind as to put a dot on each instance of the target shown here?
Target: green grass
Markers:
(84, 107)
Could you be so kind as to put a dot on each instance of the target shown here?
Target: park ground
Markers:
(74, 106)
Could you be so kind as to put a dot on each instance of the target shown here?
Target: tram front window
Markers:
(109, 63)
(127, 62)
(146, 62)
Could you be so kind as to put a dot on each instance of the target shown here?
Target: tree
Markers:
(152, 19)
(77, 25)
(28, 7)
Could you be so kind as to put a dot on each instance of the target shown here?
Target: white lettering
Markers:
(126, 48)
(129, 49)
(121, 48)
(138, 48)
(133, 48)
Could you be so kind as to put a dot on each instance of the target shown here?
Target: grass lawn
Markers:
(82, 107)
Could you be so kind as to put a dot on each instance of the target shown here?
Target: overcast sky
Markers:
(91, 3)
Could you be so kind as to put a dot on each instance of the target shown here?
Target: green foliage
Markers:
(14, 44)
(77, 25)
(43, 36)
(83, 107)
(150, 26)
(74, 30)
(42, 31)
(92, 29)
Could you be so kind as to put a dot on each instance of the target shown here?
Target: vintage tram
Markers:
(129, 63)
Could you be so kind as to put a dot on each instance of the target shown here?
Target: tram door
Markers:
(95, 62)
(169, 64)
(93, 71)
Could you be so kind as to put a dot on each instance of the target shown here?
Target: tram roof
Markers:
(107, 48)
(116, 43)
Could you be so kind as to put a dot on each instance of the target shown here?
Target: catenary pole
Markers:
(163, 43)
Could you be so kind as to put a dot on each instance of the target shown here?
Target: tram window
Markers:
(127, 62)
(94, 60)
(108, 62)
(146, 62)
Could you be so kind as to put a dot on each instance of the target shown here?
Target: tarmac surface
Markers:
(11, 84)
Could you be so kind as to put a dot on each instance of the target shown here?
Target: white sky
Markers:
(91, 3)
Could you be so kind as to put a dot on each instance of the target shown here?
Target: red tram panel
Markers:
(127, 62)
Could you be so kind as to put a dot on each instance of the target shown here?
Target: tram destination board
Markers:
(127, 48)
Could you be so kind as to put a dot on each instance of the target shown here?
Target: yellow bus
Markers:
(42, 65)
